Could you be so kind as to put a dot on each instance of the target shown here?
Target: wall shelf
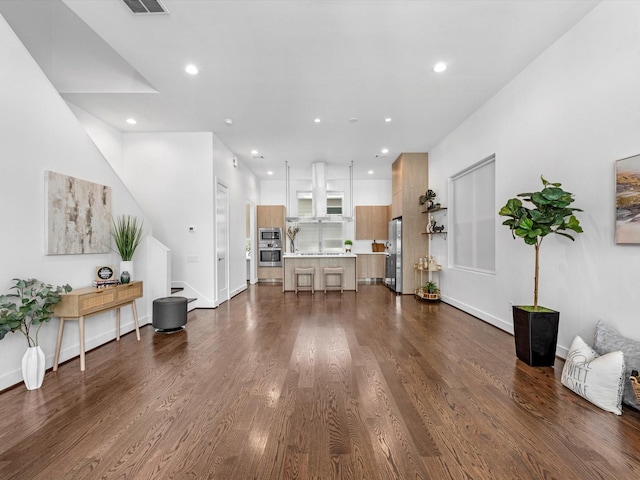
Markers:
(432, 210)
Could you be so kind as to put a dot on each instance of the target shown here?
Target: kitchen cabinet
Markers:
(409, 180)
(372, 222)
(270, 216)
(347, 261)
(371, 265)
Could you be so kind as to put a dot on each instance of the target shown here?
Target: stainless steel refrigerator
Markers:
(393, 270)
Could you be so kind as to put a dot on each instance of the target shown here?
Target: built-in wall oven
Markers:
(270, 247)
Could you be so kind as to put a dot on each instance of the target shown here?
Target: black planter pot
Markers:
(536, 335)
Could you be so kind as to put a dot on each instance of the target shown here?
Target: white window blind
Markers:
(473, 217)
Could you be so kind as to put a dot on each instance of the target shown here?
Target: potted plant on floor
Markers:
(25, 311)
(127, 233)
(547, 211)
(430, 291)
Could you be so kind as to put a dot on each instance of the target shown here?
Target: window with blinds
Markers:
(473, 217)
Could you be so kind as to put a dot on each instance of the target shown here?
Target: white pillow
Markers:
(599, 379)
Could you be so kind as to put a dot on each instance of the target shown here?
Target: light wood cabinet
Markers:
(409, 180)
(371, 265)
(372, 222)
(270, 216)
(269, 273)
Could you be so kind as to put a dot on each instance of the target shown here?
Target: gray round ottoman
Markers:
(169, 314)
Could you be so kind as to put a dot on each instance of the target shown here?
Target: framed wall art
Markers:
(77, 216)
(628, 200)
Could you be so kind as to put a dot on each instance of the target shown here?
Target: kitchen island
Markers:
(317, 261)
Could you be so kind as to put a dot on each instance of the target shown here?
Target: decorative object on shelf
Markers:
(127, 233)
(347, 245)
(30, 306)
(427, 199)
(125, 277)
(291, 233)
(431, 224)
(549, 212)
(432, 265)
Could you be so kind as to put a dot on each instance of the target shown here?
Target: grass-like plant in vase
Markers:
(127, 234)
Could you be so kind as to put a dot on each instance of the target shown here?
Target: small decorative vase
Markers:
(33, 363)
(127, 267)
(293, 246)
(125, 277)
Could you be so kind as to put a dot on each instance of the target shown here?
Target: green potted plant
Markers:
(25, 310)
(545, 212)
(427, 199)
(127, 233)
(347, 245)
(430, 290)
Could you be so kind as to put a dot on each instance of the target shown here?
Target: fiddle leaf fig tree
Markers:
(547, 211)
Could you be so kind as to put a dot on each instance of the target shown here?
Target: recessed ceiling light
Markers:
(353, 120)
(317, 120)
(191, 69)
(439, 67)
(269, 172)
(228, 121)
(370, 172)
(388, 119)
(131, 121)
(385, 150)
(254, 152)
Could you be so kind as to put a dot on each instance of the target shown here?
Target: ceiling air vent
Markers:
(145, 6)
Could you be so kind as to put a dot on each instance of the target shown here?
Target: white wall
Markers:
(568, 116)
(38, 132)
(173, 175)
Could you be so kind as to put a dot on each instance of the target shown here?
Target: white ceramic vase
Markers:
(33, 366)
(127, 267)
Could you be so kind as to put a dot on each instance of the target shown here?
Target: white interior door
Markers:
(222, 242)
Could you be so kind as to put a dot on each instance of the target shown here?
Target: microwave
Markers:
(270, 235)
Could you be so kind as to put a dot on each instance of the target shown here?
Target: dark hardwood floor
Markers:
(278, 386)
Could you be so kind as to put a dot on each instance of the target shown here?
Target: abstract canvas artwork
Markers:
(78, 215)
(628, 200)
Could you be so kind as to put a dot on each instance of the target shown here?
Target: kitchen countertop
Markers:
(318, 261)
(318, 255)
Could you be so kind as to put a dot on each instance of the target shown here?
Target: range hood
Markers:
(319, 196)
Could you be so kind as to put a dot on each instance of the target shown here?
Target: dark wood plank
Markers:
(278, 386)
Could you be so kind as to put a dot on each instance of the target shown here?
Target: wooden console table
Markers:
(77, 304)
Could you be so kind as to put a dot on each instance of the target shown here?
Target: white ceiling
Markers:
(274, 66)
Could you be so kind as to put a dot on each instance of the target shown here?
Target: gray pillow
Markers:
(608, 340)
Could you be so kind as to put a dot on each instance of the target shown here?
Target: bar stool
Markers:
(338, 271)
(310, 271)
